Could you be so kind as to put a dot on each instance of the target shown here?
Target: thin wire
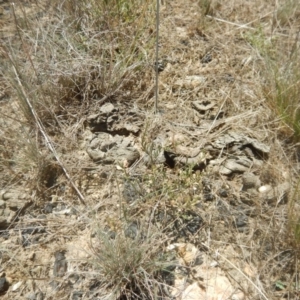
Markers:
(156, 60)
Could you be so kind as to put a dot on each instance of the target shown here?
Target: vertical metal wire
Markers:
(156, 59)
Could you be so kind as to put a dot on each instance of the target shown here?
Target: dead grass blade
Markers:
(49, 144)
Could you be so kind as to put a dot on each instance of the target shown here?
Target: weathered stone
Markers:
(16, 286)
(123, 156)
(2, 192)
(233, 138)
(60, 264)
(264, 188)
(238, 165)
(31, 296)
(154, 158)
(108, 108)
(95, 155)
(132, 190)
(15, 204)
(250, 181)
(203, 105)
(3, 222)
(132, 128)
(240, 221)
(39, 296)
(191, 81)
(6, 212)
(108, 149)
(276, 194)
(22, 196)
(4, 285)
(8, 195)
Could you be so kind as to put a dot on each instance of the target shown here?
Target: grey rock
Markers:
(31, 296)
(6, 212)
(2, 192)
(48, 208)
(154, 158)
(132, 128)
(235, 165)
(106, 146)
(60, 264)
(105, 119)
(9, 195)
(234, 138)
(22, 196)
(92, 117)
(4, 285)
(77, 295)
(54, 285)
(10, 215)
(250, 181)
(208, 196)
(241, 221)
(95, 155)
(199, 159)
(111, 120)
(276, 194)
(3, 222)
(73, 278)
(223, 193)
(40, 296)
(257, 145)
(2, 204)
(99, 139)
(132, 230)
(123, 156)
(203, 105)
(15, 204)
(124, 142)
(108, 149)
(108, 108)
(132, 190)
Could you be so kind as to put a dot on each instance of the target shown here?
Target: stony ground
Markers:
(210, 174)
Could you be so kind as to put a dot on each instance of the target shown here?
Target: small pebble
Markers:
(39, 296)
(73, 278)
(31, 296)
(7, 195)
(48, 208)
(60, 265)
(264, 188)
(16, 286)
(77, 295)
(223, 193)
(208, 197)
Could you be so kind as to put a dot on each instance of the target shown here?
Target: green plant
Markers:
(282, 89)
(281, 83)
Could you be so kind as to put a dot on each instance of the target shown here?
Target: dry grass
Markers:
(63, 63)
(131, 265)
(78, 55)
(278, 50)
